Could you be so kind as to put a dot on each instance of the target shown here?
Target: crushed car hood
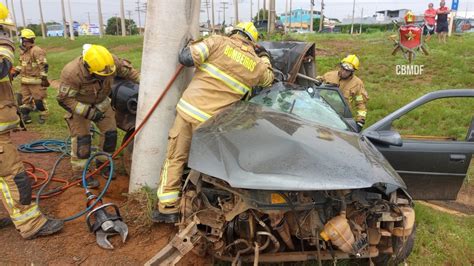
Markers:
(255, 147)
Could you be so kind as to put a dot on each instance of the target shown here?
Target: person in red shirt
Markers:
(442, 25)
(430, 22)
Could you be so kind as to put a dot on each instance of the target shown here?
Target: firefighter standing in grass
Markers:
(226, 70)
(34, 77)
(351, 87)
(86, 83)
(15, 185)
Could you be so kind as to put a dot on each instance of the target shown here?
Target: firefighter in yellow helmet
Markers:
(15, 185)
(34, 77)
(351, 87)
(226, 70)
(86, 83)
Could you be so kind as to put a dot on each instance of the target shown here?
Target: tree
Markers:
(114, 28)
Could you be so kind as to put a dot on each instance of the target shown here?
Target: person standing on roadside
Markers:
(430, 22)
(442, 25)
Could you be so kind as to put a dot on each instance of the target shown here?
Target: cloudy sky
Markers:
(82, 9)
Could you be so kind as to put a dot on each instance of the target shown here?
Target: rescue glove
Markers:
(96, 116)
(45, 82)
(261, 51)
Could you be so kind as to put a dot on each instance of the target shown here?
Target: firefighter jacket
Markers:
(226, 70)
(353, 91)
(33, 65)
(9, 118)
(79, 90)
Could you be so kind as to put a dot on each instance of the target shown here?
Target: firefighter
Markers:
(15, 185)
(226, 70)
(86, 83)
(351, 87)
(34, 77)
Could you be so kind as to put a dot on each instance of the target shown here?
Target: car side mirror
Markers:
(384, 137)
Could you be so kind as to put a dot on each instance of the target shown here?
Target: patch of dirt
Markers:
(75, 244)
(463, 204)
(56, 49)
(333, 47)
(125, 48)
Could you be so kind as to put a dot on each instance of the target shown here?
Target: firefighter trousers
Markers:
(34, 96)
(15, 187)
(179, 143)
(81, 138)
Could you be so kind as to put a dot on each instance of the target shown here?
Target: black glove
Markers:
(360, 124)
(96, 116)
(261, 51)
(45, 82)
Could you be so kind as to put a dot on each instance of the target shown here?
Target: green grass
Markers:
(442, 239)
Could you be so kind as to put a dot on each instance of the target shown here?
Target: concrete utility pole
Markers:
(286, 16)
(71, 21)
(353, 14)
(43, 30)
(258, 10)
(116, 24)
(271, 16)
(158, 55)
(22, 14)
(224, 7)
(139, 18)
(361, 19)
(13, 13)
(212, 17)
(129, 13)
(291, 13)
(208, 16)
(251, 11)
(64, 19)
(321, 19)
(236, 11)
(89, 18)
(122, 18)
(311, 16)
(265, 10)
(101, 21)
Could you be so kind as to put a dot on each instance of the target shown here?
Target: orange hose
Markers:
(31, 172)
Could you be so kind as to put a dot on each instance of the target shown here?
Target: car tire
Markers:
(401, 250)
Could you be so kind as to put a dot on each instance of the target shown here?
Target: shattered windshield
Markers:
(300, 103)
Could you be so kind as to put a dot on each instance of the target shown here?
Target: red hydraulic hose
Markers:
(31, 172)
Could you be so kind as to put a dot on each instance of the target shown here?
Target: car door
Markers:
(433, 167)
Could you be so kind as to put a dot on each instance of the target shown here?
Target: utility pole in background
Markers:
(101, 21)
(212, 16)
(129, 12)
(139, 17)
(13, 14)
(117, 24)
(271, 16)
(64, 19)
(22, 14)
(224, 7)
(311, 16)
(286, 17)
(353, 14)
(321, 17)
(150, 143)
(43, 30)
(89, 17)
(122, 18)
(265, 10)
(361, 19)
(251, 11)
(236, 11)
(71, 21)
(258, 10)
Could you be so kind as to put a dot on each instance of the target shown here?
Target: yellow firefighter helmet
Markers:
(4, 19)
(350, 62)
(98, 60)
(27, 34)
(248, 29)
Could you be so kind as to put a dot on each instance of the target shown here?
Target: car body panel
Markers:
(254, 147)
(432, 169)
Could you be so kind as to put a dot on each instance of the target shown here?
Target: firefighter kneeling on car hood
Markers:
(86, 83)
(351, 86)
(226, 70)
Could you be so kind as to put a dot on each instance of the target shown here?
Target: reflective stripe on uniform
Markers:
(4, 126)
(6, 193)
(361, 113)
(81, 108)
(168, 197)
(359, 98)
(203, 51)
(222, 76)
(31, 213)
(30, 80)
(192, 111)
(7, 53)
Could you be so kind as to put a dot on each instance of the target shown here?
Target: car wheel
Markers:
(127, 153)
(401, 250)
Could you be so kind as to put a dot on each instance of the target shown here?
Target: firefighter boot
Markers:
(169, 218)
(49, 228)
(25, 115)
